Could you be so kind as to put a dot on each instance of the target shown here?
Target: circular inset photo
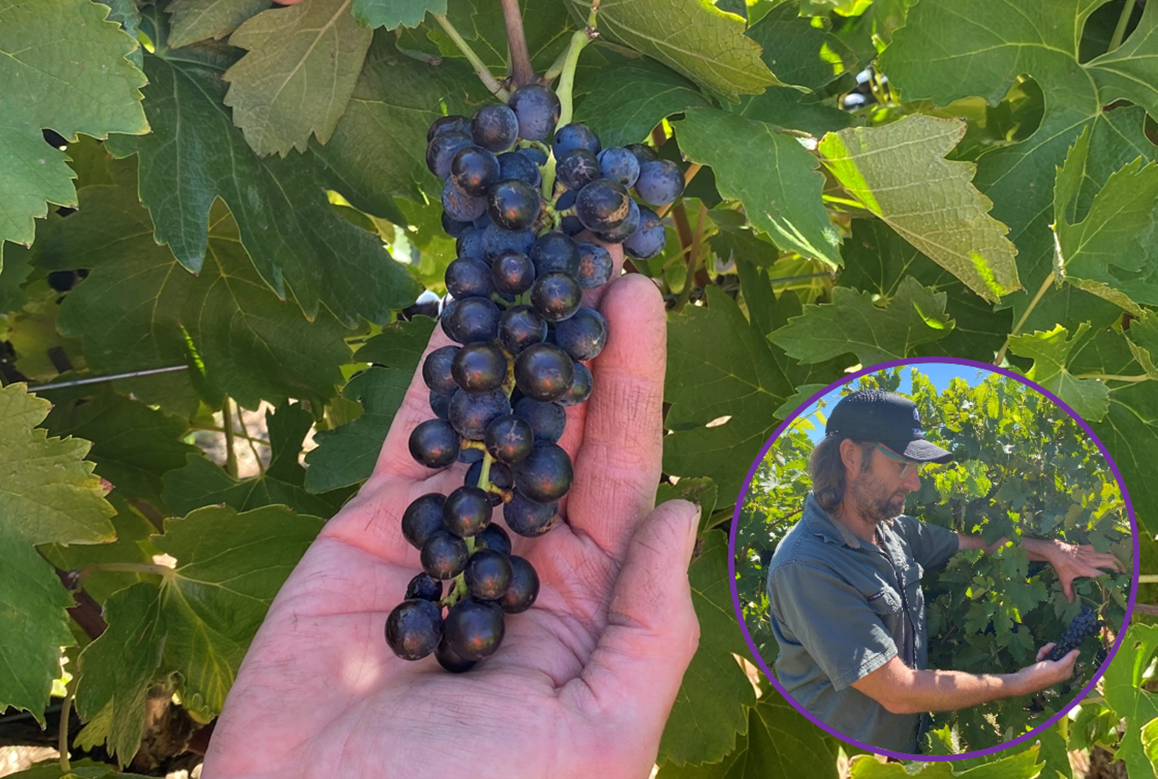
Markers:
(934, 558)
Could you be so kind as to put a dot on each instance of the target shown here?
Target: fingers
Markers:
(618, 463)
(1067, 583)
(1044, 651)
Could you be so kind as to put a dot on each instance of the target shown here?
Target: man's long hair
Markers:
(827, 469)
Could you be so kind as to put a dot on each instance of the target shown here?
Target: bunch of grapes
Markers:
(515, 308)
(1084, 624)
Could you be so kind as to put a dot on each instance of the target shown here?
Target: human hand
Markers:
(1046, 673)
(1072, 561)
(584, 680)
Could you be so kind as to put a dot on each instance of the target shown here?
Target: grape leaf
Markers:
(396, 13)
(898, 172)
(787, 107)
(32, 606)
(1142, 338)
(1050, 351)
(1110, 252)
(797, 52)
(78, 769)
(1125, 696)
(49, 493)
(298, 74)
(294, 238)
(139, 308)
(32, 175)
(399, 345)
(126, 14)
(12, 275)
(547, 29)
(782, 194)
(196, 20)
(712, 703)
(852, 322)
(696, 39)
(1023, 765)
(630, 97)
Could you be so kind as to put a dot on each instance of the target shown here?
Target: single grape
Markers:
(461, 206)
(555, 252)
(509, 438)
(595, 265)
(468, 278)
(453, 227)
(576, 169)
(584, 335)
(649, 238)
(474, 628)
(423, 587)
(527, 518)
(487, 574)
(474, 171)
(451, 661)
(516, 165)
(545, 475)
(571, 226)
(556, 296)
(422, 518)
(524, 587)
(440, 405)
(602, 205)
(470, 244)
(660, 182)
(580, 388)
(566, 200)
(512, 273)
(414, 628)
(471, 412)
(496, 240)
(466, 511)
(574, 136)
(626, 229)
(436, 369)
(469, 454)
(547, 420)
(479, 367)
(537, 109)
(440, 153)
(520, 327)
(435, 444)
(619, 164)
(471, 320)
(444, 555)
(494, 127)
(452, 123)
(543, 372)
(493, 537)
(643, 153)
(535, 155)
(513, 205)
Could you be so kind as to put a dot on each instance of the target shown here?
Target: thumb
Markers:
(652, 632)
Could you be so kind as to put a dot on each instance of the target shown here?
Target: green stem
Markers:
(579, 41)
(1148, 579)
(1123, 20)
(62, 744)
(484, 477)
(1032, 305)
(1110, 377)
(215, 429)
(480, 69)
(227, 426)
(694, 260)
(249, 440)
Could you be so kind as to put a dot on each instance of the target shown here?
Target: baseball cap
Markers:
(876, 415)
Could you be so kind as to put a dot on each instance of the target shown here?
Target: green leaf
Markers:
(399, 345)
(712, 702)
(1123, 682)
(630, 97)
(898, 172)
(1050, 352)
(78, 769)
(1142, 338)
(781, 194)
(547, 29)
(854, 323)
(196, 20)
(396, 13)
(699, 491)
(49, 493)
(787, 107)
(1130, 433)
(285, 222)
(298, 74)
(140, 309)
(694, 38)
(1023, 765)
(32, 175)
(13, 273)
(798, 52)
(32, 611)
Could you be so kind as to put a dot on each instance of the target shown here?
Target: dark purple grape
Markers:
(625, 230)
(441, 151)
(516, 165)
(537, 109)
(423, 587)
(660, 182)
(452, 123)
(470, 244)
(512, 273)
(469, 278)
(414, 628)
(471, 412)
(479, 367)
(520, 327)
(444, 555)
(576, 169)
(556, 296)
(566, 200)
(496, 240)
(547, 420)
(545, 475)
(574, 136)
(435, 444)
(474, 628)
(422, 518)
(453, 227)
(461, 206)
(555, 252)
(509, 438)
(602, 205)
(584, 335)
(494, 127)
(466, 511)
(543, 372)
(469, 454)
(493, 537)
(487, 574)
(440, 405)
(619, 164)
(524, 588)
(513, 205)
(580, 388)
(474, 171)
(528, 518)
(471, 320)
(535, 155)
(500, 478)
(571, 226)
(643, 153)
(649, 238)
(595, 265)
(436, 370)
(450, 661)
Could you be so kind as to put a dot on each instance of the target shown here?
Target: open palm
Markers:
(583, 681)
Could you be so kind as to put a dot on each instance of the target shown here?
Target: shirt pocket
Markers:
(885, 601)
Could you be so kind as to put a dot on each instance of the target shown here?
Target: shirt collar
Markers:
(820, 523)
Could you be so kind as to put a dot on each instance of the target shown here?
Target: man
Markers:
(844, 584)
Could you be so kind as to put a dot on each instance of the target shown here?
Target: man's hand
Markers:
(1072, 561)
(1046, 673)
(584, 680)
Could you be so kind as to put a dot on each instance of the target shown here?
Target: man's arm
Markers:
(902, 690)
(1071, 561)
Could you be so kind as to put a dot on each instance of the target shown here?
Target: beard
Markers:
(872, 503)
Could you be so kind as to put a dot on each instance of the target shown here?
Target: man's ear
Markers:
(850, 455)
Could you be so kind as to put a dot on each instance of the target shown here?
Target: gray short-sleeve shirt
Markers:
(841, 608)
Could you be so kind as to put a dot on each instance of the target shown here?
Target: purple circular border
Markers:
(748, 483)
